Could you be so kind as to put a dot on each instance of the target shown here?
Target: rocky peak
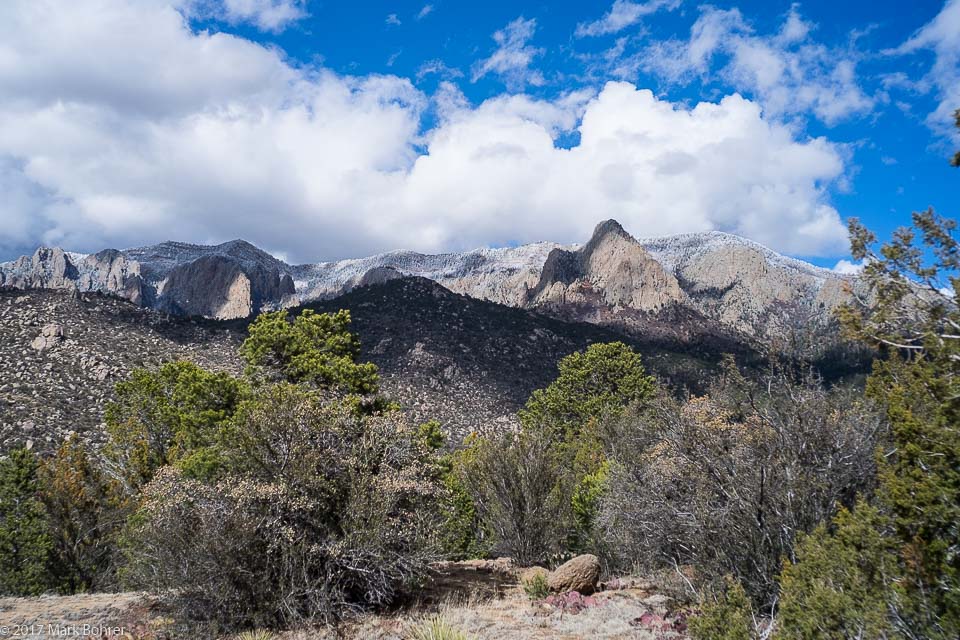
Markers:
(47, 268)
(110, 270)
(225, 281)
(379, 275)
(612, 269)
(604, 231)
(685, 282)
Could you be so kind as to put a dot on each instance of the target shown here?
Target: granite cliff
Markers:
(690, 287)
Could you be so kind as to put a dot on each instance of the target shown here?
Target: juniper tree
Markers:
(25, 545)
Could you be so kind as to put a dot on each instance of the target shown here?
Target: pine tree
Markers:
(25, 546)
(912, 316)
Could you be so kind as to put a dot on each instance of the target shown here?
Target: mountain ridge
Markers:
(713, 282)
(469, 363)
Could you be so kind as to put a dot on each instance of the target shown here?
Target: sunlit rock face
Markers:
(677, 287)
(231, 280)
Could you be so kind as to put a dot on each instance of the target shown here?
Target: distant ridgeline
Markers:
(687, 287)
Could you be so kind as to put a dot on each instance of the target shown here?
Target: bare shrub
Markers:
(726, 482)
(324, 512)
(520, 491)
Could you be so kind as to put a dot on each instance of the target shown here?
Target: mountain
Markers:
(469, 363)
(230, 280)
(692, 288)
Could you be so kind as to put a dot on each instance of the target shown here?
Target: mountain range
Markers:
(461, 337)
(688, 288)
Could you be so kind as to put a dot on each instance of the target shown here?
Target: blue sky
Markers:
(324, 130)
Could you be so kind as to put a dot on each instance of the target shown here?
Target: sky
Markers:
(322, 130)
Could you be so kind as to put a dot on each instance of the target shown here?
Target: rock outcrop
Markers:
(110, 271)
(690, 288)
(612, 269)
(219, 287)
(47, 268)
(50, 336)
(227, 281)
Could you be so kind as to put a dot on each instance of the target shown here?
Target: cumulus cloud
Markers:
(392, 19)
(623, 14)
(788, 71)
(941, 36)
(204, 137)
(267, 15)
(654, 166)
(848, 268)
(426, 10)
(513, 56)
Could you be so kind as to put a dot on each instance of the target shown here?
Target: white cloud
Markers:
(788, 72)
(942, 36)
(657, 168)
(440, 68)
(425, 11)
(205, 137)
(268, 15)
(121, 57)
(392, 19)
(623, 14)
(513, 56)
(847, 268)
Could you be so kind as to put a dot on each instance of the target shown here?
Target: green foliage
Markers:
(597, 384)
(520, 492)
(432, 435)
(315, 349)
(725, 615)
(169, 416)
(536, 585)
(915, 317)
(25, 545)
(920, 488)
(83, 515)
(536, 492)
(586, 499)
(840, 585)
(566, 418)
(464, 534)
(319, 510)
(435, 629)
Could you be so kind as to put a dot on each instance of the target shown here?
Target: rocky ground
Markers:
(92, 615)
(61, 355)
(472, 363)
(482, 599)
(469, 363)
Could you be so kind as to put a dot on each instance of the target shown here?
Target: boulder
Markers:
(579, 574)
(50, 335)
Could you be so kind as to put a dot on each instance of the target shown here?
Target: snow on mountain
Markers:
(723, 278)
(328, 279)
(157, 261)
(677, 251)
